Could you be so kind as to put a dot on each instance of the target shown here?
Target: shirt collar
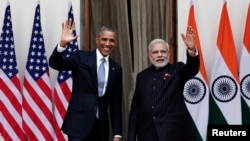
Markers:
(99, 56)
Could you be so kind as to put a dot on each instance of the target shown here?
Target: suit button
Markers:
(153, 107)
(154, 117)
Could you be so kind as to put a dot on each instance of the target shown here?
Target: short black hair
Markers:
(108, 28)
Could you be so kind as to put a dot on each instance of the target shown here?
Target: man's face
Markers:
(159, 55)
(106, 42)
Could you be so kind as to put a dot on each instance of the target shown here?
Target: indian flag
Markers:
(196, 90)
(245, 72)
(225, 104)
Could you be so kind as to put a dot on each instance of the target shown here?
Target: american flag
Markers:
(37, 91)
(62, 90)
(10, 88)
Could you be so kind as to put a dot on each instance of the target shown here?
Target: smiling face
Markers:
(106, 41)
(159, 54)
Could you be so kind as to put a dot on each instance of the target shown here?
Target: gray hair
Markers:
(157, 41)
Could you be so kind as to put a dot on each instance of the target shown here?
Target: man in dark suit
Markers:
(87, 118)
(158, 111)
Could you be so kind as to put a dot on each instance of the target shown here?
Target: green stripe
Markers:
(245, 112)
(215, 114)
(198, 136)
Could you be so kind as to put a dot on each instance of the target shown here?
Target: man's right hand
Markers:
(67, 32)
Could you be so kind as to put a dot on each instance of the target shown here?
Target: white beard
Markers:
(159, 65)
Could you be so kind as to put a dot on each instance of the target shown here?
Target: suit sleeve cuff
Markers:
(193, 53)
(119, 136)
(60, 49)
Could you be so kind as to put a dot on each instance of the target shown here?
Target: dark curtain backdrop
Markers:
(138, 22)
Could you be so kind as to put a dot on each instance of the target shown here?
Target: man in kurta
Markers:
(158, 111)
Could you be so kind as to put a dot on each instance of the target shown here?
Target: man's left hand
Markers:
(189, 39)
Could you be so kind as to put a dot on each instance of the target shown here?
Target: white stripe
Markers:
(245, 68)
(231, 110)
(63, 99)
(35, 107)
(219, 67)
(69, 83)
(11, 86)
(199, 111)
(37, 111)
(46, 79)
(39, 91)
(32, 126)
(58, 117)
(8, 128)
(61, 96)
(11, 109)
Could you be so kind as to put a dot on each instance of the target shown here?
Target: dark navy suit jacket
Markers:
(158, 109)
(81, 112)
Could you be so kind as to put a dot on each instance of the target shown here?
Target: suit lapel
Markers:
(111, 73)
(93, 67)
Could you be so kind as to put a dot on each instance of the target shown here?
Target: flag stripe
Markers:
(8, 133)
(9, 122)
(247, 31)
(227, 49)
(36, 102)
(61, 109)
(37, 116)
(63, 87)
(11, 104)
(13, 93)
(192, 23)
(32, 129)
